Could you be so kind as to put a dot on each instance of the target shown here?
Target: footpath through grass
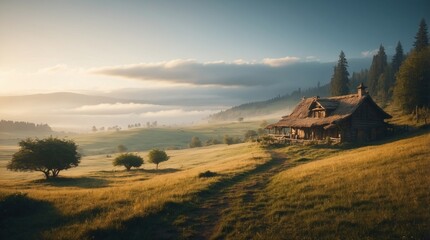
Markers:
(374, 192)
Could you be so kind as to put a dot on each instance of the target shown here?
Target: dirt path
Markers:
(209, 217)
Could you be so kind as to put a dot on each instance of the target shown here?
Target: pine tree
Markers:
(421, 39)
(339, 81)
(379, 63)
(398, 58)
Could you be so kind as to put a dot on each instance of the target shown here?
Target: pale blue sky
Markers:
(42, 33)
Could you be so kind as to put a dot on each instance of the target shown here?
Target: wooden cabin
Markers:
(348, 118)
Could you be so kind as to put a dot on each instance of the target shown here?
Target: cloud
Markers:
(277, 62)
(269, 71)
(369, 53)
(115, 108)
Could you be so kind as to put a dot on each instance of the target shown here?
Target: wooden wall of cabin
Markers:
(367, 124)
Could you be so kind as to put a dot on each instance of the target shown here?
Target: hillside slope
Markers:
(374, 192)
(282, 104)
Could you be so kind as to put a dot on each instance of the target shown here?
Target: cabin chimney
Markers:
(361, 90)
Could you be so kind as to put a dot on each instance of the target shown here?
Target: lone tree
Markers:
(157, 156)
(339, 81)
(128, 160)
(50, 156)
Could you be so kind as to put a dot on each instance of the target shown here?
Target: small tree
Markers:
(122, 148)
(157, 156)
(128, 160)
(50, 156)
(195, 142)
(240, 119)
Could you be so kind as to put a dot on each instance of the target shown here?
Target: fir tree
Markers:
(379, 63)
(398, 58)
(339, 81)
(421, 39)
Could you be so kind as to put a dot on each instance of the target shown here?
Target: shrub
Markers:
(195, 142)
(50, 156)
(121, 148)
(128, 160)
(250, 135)
(207, 174)
(212, 141)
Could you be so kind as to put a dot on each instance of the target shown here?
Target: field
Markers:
(138, 139)
(294, 192)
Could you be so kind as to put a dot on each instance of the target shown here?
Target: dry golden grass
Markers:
(374, 192)
(74, 207)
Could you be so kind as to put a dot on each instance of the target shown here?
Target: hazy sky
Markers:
(54, 45)
(192, 46)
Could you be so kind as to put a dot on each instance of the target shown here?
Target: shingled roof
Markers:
(338, 109)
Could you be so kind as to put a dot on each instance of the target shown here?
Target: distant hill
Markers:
(263, 108)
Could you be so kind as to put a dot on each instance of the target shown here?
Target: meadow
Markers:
(378, 191)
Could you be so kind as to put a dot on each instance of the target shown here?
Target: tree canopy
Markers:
(339, 81)
(412, 86)
(50, 156)
(128, 160)
(413, 81)
(157, 156)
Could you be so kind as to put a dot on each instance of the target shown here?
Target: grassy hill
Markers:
(303, 192)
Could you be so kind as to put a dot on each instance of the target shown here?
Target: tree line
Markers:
(405, 81)
(6, 126)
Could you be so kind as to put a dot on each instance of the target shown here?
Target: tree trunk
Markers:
(55, 173)
(156, 166)
(46, 174)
